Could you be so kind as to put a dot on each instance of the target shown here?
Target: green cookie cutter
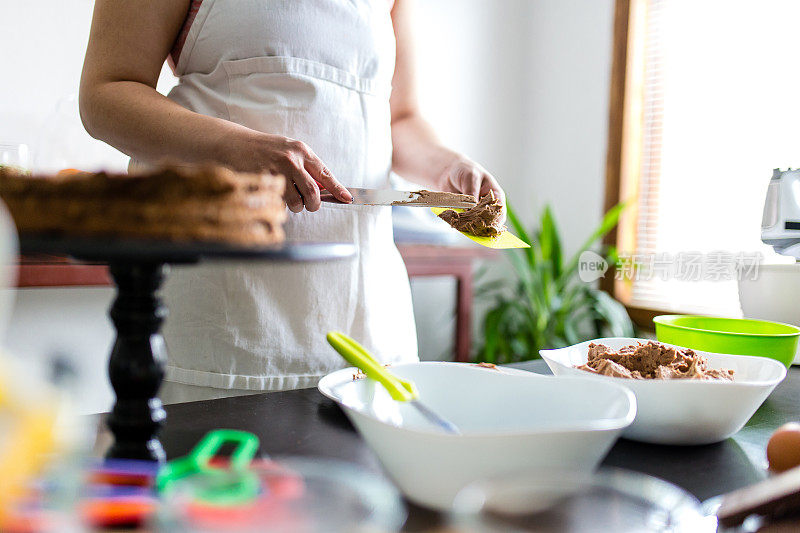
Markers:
(230, 486)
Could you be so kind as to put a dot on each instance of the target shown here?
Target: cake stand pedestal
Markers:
(136, 364)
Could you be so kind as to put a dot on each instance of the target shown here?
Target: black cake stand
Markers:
(136, 363)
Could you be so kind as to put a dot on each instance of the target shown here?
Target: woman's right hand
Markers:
(295, 161)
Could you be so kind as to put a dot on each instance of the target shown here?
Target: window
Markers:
(705, 103)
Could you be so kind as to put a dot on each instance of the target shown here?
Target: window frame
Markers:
(624, 146)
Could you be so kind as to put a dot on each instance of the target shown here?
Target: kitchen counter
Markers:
(303, 422)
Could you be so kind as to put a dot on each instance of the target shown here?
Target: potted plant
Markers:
(545, 304)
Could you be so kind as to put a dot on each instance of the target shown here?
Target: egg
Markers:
(783, 448)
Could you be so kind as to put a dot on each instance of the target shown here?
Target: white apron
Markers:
(319, 71)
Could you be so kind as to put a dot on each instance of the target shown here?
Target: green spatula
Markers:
(400, 390)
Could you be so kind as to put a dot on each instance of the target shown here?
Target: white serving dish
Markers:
(772, 295)
(683, 411)
(509, 420)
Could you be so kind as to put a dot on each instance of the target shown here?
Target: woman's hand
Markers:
(303, 170)
(465, 176)
(418, 155)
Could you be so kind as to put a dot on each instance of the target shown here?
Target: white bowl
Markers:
(509, 420)
(772, 295)
(683, 411)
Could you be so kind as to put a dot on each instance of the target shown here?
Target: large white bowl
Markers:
(685, 411)
(772, 295)
(509, 420)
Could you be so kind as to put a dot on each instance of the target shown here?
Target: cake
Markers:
(204, 203)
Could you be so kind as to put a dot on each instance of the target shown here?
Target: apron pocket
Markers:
(300, 67)
(343, 118)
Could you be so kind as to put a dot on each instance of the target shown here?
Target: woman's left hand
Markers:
(465, 176)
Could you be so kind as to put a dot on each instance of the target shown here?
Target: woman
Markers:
(315, 90)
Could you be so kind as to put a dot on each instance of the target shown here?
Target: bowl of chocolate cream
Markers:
(683, 396)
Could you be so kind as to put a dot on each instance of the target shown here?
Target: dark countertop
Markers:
(303, 422)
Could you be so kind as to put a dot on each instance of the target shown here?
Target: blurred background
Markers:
(506, 82)
(523, 87)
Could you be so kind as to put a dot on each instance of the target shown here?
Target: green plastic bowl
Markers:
(737, 336)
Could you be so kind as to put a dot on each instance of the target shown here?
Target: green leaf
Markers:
(541, 302)
(489, 288)
(522, 234)
(612, 255)
(610, 220)
(491, 332)
(614, 314)
(549, 242)
(572, 331)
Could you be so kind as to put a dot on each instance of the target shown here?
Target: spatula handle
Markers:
(357, 355)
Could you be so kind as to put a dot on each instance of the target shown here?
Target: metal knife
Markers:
(392, 197)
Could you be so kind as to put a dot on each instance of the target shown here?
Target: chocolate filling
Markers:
(483, 220)
(651, 361)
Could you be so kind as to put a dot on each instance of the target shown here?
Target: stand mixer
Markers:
(780, 223)
(771, 297)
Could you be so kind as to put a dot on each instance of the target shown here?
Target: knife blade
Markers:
(394, 197)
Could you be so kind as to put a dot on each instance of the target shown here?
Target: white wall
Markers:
(42, 47)
(522, 87)
(43, 44)
(519, 85)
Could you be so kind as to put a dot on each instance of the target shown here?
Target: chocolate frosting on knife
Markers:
(436, 198)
